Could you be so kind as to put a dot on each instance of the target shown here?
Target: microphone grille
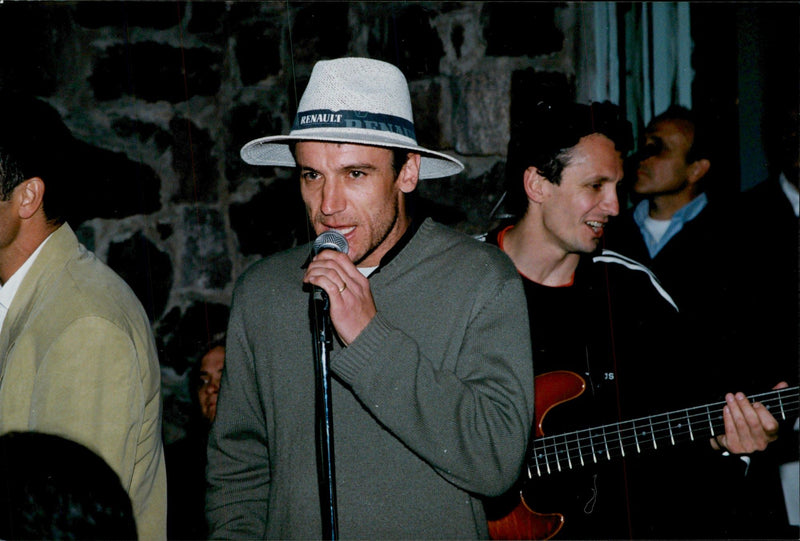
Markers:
(330, 240)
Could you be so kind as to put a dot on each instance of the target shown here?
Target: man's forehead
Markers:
(213, 358)
(671, 128)
(595, 156)
(311, 153)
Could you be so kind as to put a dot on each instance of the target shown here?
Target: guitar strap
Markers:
(615, 369)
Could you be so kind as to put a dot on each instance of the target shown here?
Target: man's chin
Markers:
(589, 247)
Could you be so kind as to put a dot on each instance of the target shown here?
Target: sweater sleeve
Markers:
(238, 459)
(469, 418)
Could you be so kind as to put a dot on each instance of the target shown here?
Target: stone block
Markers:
(146, 269)
(194, 162)
(530, 86)
(429, 113)
(151, 15)
(112, 185)
(133, 129)
(153, 71)
(258, 52)
(34, 67)
(481, 112)
(524, 29)
(251, 121)
(209, 19)
(272, 220)
(319, 30)
(183, 336)
(402, 33)
(467, 202)
(206, 263)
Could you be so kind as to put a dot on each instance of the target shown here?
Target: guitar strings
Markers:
(671, 418)
(553, 453)
(604, 440)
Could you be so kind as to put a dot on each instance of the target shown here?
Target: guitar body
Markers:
(525, 523)
(554, 388)
(550, 390)
(589, 490)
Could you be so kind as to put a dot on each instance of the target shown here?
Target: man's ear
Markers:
(698, 169)
(31, 197)
(409, 174)
(533, 181)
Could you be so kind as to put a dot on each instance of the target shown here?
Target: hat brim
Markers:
(275, 151)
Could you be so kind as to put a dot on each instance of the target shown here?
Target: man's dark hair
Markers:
(218, 340)
(55, 488)
(399, 159)
(11, 174)
(701, 147)
(34, 142)
(544, 135)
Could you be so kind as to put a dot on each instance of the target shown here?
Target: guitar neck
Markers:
(551, 454)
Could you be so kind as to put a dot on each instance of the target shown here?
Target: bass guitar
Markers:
(552, 454)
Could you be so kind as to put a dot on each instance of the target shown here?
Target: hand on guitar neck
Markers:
(748, 427)
(743, 427)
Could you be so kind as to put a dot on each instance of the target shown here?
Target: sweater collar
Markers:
(413, 227)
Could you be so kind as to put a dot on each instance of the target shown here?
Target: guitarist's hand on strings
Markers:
(748, 427)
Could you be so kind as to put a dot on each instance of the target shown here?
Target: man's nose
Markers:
(333, 199)
(610, 204)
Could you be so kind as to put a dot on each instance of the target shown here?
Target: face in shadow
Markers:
(210, 374)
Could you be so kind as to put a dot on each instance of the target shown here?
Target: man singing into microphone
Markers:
(432, 381)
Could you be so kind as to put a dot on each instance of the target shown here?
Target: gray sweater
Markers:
(432, 403)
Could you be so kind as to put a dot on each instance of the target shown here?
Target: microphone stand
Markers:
(323, 342)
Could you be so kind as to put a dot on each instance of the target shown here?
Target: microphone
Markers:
(323, 342)
(328, 240)
(331, 240)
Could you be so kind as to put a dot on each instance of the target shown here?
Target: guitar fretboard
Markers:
(551, 454)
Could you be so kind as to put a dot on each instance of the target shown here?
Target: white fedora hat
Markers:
(353, 100)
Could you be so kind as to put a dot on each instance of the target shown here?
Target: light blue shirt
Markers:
(791, 193)
(676, 223)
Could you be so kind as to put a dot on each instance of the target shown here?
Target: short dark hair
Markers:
(11, 174)
(195, 382)
(54, 488)
(34, 142)
(544, 135)
(399, 159)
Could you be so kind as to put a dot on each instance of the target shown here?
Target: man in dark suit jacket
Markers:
(712, 257)
(772, 208)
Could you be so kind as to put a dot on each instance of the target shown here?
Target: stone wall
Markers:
(160, 96)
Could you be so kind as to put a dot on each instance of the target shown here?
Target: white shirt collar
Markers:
(9, 289)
